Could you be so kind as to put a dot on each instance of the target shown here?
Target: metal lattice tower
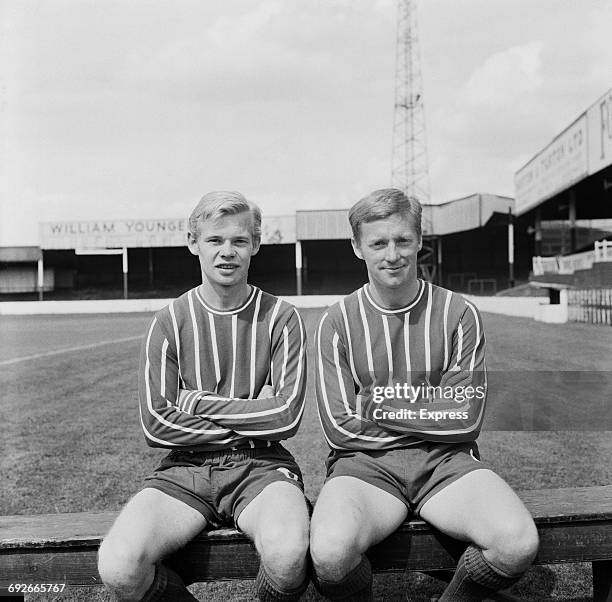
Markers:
(409, 171)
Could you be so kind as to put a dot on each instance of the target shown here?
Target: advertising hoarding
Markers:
(101, 234)
(562, 163)
(599, 118)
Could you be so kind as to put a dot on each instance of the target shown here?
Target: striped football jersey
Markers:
(202, 369)
(406, 357)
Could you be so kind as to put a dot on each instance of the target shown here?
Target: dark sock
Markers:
(167, 586)
(268, 591)
(355, 587)
(476, 578)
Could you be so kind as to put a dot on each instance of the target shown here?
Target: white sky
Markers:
(115, 108)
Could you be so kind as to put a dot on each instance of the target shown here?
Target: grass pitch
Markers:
(72, 442)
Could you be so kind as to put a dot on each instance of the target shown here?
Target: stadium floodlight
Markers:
(409, 170)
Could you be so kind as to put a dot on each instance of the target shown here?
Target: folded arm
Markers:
(341, 413)
(276, 411)
(164, 422)
(453, 410)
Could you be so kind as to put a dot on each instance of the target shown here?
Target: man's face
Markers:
(224, 247)
(389, 248)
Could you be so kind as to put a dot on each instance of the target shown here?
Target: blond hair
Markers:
(220, 203)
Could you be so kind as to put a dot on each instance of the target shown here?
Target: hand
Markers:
(266, 391)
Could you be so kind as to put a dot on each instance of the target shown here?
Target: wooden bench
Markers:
(575, 525)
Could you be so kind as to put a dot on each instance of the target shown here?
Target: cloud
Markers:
(271, 51)
(141, 106)
(506, 77)
(501, 112)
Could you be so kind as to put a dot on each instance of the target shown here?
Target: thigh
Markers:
(280, 506)
(154, 524)
(473, 507)
(354, 510)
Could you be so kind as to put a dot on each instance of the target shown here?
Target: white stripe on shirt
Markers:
(234, 345)
(177, 341)
(350, 344)
(271, 328)
(339, 373)
(388, 346)
(427, 333)
(196, 341)
(407, 346)
(449, 294)
(477, 343)
(253, 347)
(459, 343)
(215, 349)
(366, 330)
(162, 385)
(285, 356)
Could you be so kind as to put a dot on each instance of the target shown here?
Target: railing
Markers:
(568, 264)
(592, 305)
(603, 250)
(579, 261)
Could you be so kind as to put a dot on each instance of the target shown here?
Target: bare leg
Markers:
(151, 525)
(350, 516)
(277, 522)
(482, 509)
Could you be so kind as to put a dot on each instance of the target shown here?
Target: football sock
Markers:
(167, 586)
(355, 587)
(476, 578)
(268, 591)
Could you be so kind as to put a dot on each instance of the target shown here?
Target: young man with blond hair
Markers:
(221, 383)
(401, 387)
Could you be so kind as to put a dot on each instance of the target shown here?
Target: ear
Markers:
(192, 243)
(356, 248)
(256, 245)
(421, 243)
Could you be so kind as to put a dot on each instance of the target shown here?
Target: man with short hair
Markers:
(401, 387)
(221, 382)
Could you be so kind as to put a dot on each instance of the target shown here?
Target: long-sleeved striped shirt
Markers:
(202, 369)
(362, 348)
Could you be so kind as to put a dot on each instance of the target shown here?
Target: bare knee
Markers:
(514, 546)
(283, 550)
(335, 550)
(126, 571)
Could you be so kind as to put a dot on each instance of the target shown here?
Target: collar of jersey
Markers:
(400, 309)
(227, 312)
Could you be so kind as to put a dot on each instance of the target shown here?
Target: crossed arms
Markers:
(174, 415)
(350, 417)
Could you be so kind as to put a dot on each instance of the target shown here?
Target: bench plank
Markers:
(575, 525)
(563, 505)
(70, 530)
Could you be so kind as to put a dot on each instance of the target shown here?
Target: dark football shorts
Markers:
(411, 474)
(220, 484)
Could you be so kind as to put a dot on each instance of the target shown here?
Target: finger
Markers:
(266, 391)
